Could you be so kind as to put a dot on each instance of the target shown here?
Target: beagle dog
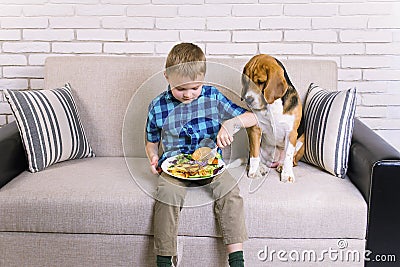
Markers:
(277, 141)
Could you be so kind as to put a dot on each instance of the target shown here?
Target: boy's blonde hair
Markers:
(186, 59)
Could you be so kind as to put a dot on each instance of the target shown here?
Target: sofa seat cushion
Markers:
(98, 195)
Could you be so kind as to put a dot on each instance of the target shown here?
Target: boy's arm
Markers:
(152, 155)
(230, 127)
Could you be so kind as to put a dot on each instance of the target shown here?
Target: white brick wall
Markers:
(362, 36)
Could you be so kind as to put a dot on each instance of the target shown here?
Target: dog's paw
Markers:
(287, 176)
(260, 172)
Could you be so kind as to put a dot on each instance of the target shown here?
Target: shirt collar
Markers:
(169, 95)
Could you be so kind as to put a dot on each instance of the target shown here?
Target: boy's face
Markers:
(184, 89)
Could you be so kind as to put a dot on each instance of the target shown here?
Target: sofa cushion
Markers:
(49, 125)
(329, 120)
(98, 195)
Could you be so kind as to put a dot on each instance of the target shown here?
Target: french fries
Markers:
(191, 169)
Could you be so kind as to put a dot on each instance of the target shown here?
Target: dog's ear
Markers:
(276, 84)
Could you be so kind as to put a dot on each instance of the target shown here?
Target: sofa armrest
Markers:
(12, 157)
(374, 168)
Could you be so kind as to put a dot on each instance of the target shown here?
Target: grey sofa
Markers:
(98, 211)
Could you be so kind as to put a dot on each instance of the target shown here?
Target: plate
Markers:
(168, 162)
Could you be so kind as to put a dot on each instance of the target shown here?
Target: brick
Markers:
(15, 84)
(257, 10)
(381, 75)
(349, 75)
(338, 49)
(48, 35)
(177, 2)
(205, 36)
(74, 22)
(153, 35)
(100, 10)
(371, 112)
(152, 11)
(231, 49)
(282, 48)
(386, 22)
(311, 36)
(126, 2)
(10, 35)
(128, 23)
(383, 49)
(284, 1)
(256, 36)
(356, 36)
(230, 1)
(365, 9)
(382, 123)
(205, 11)
(77, 47)
(380, 99)
(285, 23)
(365, 62)
(181, 23)
(396, 35)
(22, 47)
(36, 84)
(24, 23)
(164, 47)
(23, 72)
(75, 1)
(340, 23)
(23, 2)
(10, 11)
(100, 35)
(365, 86)
(10, 60)
(393, 112)
(394, 62)
(232, 23)
(5, 108)
(48, 10)
(336, 59)
(131, 48)
(311, 10)
(39, 59)
(393, 86)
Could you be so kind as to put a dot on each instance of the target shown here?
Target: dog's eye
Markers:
(260, 82)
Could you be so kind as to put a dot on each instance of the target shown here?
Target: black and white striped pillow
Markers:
(49, 125)
(329, 119)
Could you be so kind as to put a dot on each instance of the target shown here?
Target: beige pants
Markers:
(170, 197)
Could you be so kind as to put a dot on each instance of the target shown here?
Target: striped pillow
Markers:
(49, 126)
(329, 118)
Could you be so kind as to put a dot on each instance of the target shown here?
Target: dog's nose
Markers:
(249, 99)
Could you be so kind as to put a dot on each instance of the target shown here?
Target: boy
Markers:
(186, 117)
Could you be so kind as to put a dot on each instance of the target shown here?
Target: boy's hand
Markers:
(230, 127)
(154, 164)
(225, 134)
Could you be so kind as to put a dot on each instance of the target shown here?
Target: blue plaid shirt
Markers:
(182, 128)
